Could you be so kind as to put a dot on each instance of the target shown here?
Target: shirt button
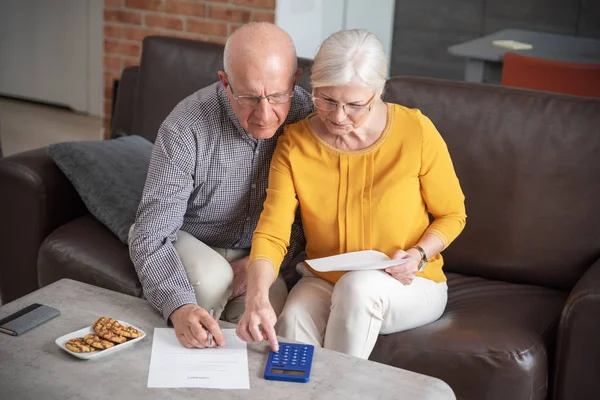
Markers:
(254, 186)
(247, 218)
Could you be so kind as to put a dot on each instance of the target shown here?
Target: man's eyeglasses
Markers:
(251, 101)
(351, 110)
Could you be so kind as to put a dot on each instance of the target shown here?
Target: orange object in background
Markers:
(553, 76)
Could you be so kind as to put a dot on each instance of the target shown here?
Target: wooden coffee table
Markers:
(33, 367)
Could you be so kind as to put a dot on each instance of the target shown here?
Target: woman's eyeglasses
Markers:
(352, 110)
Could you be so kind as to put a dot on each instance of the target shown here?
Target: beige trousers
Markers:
(349, 316)
(211, 276)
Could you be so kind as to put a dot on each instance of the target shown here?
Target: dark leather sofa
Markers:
(523, 317)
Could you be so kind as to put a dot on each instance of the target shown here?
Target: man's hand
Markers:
(405, 273)
(259, 312)
(191, 322)
(239, 276)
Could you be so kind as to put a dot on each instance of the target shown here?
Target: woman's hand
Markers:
(259, 313)
(405, 273)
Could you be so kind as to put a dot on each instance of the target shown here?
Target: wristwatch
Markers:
(423, 261)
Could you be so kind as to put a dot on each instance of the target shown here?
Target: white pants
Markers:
(211, 276)
(348, 316)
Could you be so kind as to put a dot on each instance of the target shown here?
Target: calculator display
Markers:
(286, 372)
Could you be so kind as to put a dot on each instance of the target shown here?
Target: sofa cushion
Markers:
(109, 175)
(491, 343)
(86, 251)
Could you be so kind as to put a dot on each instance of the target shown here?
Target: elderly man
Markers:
(207, 182)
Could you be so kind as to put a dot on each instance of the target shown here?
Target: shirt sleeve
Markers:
(440, 187)
(169, 184)
(272, 235)
(297, 242)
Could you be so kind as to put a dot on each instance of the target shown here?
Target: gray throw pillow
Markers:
(109, 176)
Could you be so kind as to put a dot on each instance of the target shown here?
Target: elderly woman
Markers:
(366, 175)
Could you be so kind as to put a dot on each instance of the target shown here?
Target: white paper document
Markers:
(355, 261)
(174, 366)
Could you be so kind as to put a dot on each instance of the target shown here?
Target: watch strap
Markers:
(422, 252)
(423, 261)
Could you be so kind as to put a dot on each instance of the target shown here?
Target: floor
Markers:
(26, 126)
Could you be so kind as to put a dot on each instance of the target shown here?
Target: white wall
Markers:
(309, 22)
(51, 51)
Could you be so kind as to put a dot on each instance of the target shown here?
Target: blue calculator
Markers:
(291, 363)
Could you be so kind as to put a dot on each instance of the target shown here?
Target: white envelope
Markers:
(355, 261)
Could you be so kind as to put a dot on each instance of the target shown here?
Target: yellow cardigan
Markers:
(376, 198)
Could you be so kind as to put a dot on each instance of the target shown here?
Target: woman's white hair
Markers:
(352, 56)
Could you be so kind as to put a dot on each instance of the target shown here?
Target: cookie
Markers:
(97, 342)
(101, 323)
(111, 336)
(127, 331)
(78, 345)
(103, 328)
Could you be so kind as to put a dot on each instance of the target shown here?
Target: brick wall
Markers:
(127, 22)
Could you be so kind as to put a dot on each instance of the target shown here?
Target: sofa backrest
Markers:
(170, 70)
(529, 165)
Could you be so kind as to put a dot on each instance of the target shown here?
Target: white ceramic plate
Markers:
(60, 342)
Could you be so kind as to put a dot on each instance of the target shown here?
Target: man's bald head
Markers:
(260, 67)
(259, 45)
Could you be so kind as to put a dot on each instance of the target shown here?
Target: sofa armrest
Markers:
(36, 199)
(122, 118)
(578, 352)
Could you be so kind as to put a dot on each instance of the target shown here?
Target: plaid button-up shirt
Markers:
(208, 177)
